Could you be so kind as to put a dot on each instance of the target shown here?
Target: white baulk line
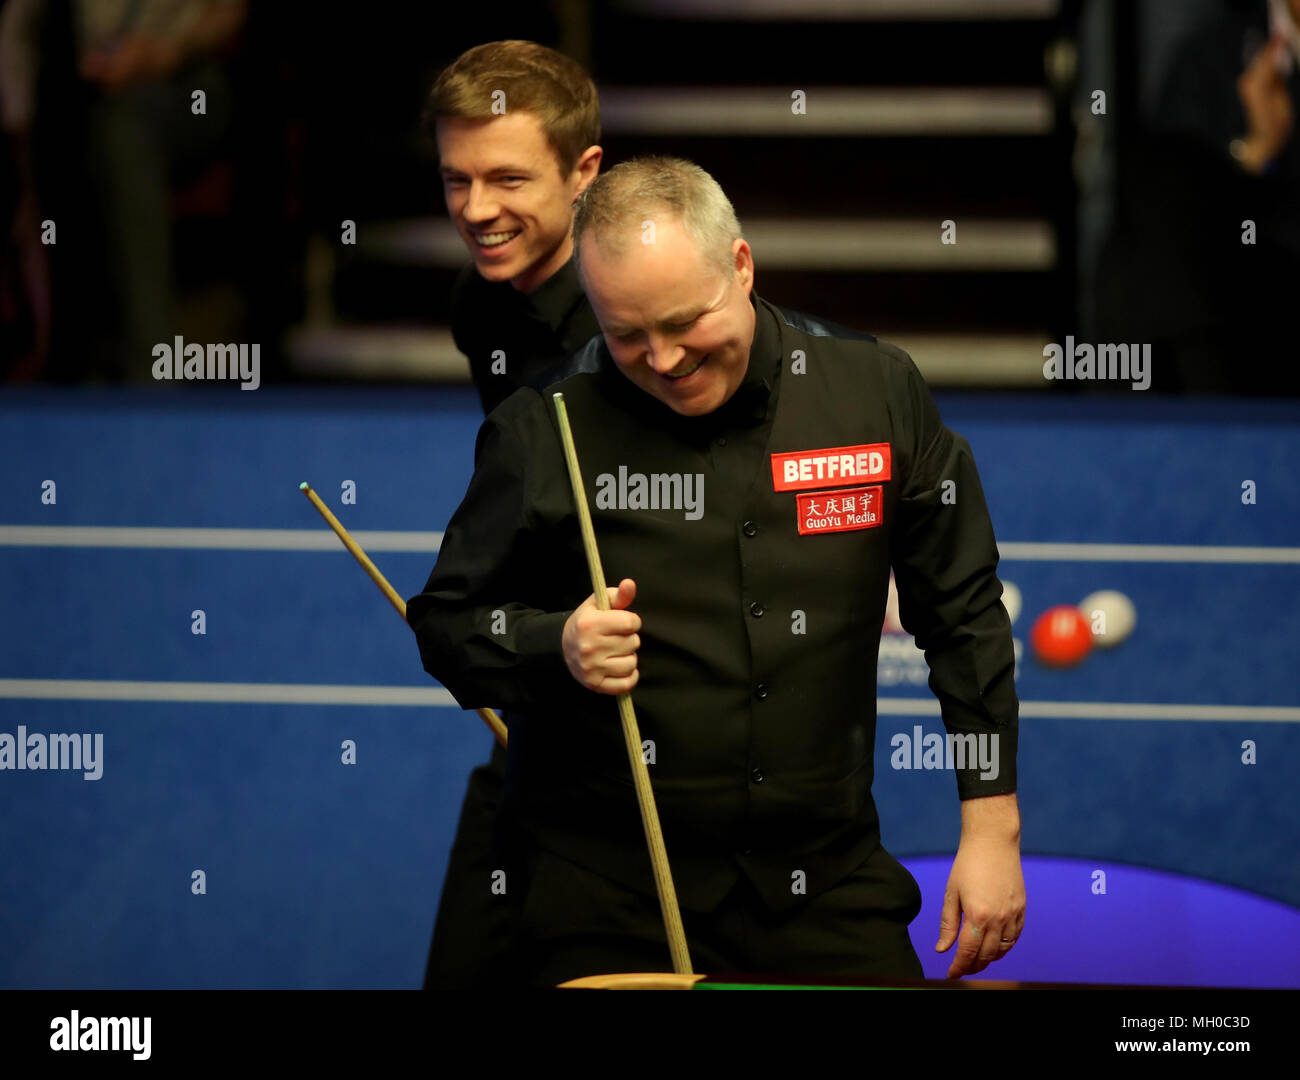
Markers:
(429, 542)
(1113, 710)
(221, 692)
(1167, 553)
(312, 694)
(227, 539)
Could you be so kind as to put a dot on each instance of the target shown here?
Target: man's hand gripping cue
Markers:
(600, 646)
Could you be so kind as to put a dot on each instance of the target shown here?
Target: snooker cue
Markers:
(490, 718)
(631, 733)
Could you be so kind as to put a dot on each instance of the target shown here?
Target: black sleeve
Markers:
(483, 622)
(945, 567)
(458, 303)
(467, 322)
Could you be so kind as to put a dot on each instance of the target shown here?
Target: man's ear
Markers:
(587, 167)
(744, 261)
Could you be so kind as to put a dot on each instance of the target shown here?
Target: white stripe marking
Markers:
(310, 694)
(1112, 710)
(844, 10)
(832, 111)
(230, 693)
(428, 543)
(900, 244)
(782, 243)
(322, 539)
(1172, 553)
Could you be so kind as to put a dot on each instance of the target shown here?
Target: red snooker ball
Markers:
(1061, 636)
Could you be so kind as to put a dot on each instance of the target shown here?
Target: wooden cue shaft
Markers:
(493, 721)
(631, 733)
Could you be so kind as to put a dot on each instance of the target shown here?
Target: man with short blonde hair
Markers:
(516, 126)
(490, 80)
(645, 187)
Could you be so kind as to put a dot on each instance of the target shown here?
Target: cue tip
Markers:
(303, 486)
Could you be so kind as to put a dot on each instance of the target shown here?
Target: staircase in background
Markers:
(917, 112)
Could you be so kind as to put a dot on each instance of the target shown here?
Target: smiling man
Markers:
(516, 126)
(510, 195)
(751, 652)
(683, 338)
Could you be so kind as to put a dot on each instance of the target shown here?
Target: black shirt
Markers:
(528, 336)
(759, 641)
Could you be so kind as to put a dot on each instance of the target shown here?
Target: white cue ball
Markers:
(1121, 616)
(1011, 600)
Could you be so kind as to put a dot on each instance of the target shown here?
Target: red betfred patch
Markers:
(799, 470)
(841, 510)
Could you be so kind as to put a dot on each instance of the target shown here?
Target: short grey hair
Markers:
(615, 206)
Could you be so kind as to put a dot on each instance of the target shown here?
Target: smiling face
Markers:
(507, 196)
(674, 324)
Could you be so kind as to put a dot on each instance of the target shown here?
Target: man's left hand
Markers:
(987, 889)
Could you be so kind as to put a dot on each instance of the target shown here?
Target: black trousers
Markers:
(570, 922)
(557, 920)
(471, 935)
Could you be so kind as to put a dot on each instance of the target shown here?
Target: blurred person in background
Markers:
(98, 108)
(1207, 256)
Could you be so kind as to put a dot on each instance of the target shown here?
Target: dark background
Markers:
(1140, 208)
